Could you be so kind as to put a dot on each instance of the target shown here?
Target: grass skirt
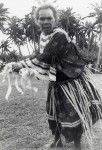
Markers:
(75, 102)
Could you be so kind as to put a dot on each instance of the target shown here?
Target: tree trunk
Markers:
(28, 47)
(100, 47)
(19, 50)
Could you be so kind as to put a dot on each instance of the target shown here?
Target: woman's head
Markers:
(46, 16)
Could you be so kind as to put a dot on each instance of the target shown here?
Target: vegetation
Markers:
(3, 16)
(25, 31)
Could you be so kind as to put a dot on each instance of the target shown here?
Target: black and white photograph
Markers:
(50, 74)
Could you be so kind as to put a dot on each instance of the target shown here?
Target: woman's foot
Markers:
(57, 144)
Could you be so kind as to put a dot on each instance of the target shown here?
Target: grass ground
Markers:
(23, 121)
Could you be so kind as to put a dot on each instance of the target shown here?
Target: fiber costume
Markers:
(73, 104)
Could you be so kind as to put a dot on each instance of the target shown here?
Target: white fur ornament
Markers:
(8, 74)
(25, 76)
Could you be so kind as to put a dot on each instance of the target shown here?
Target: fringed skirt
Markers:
(73, 103)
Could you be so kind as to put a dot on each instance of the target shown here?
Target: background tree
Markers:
(3, 16)
(5, 50)
(32, 30)
(68, 21)
(83, 34)
(97, 14)
(6, 54)
(15, 31)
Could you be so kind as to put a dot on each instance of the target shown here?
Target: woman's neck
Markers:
(47, 33)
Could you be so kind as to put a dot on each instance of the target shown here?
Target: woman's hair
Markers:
(46, 7)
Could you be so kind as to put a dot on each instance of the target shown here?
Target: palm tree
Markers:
(3, 16)
(68, 21)
(98, 22)
(97, 14)
(84, 33)
(5, 50)
(73, 26)
(16, 33)
(31, 29)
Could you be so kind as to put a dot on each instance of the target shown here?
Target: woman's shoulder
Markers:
(61, 33)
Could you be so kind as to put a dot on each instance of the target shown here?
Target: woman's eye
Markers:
(49, 18)
(42, 19)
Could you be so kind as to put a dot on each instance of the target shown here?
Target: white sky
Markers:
(20, 8)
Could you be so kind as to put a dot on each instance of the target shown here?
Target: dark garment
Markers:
(70, 134)
(71, 104)
(54, 50)
(62, 116)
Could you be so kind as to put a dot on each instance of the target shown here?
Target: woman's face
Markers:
(46, 20)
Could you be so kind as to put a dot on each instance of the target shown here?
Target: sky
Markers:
(20, 8)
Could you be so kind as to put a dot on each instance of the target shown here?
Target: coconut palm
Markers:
(3, 16)
(68, 21)
(85, 34)
(31, 29)
(97, 14)
(5, 46)
(5, 49)
(15, 31)
(72, 25)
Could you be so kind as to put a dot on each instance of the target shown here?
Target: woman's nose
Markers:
(46, 21)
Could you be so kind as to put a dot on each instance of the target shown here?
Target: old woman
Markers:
(73, 101)
(70, 105)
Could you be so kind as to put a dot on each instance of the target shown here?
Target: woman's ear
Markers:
(37, 22)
